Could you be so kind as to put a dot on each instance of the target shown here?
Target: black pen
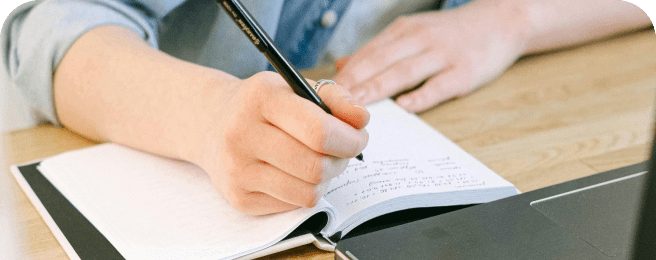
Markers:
(263, 43)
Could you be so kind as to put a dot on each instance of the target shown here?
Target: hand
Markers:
(450, 52)
(265, 148)
(273, 151)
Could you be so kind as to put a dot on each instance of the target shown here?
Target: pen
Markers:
(263, 43)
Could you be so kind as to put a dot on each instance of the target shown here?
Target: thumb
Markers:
(343, 105)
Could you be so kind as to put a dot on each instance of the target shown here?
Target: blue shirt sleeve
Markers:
(37, 35)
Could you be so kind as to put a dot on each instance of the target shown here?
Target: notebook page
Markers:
(405, 156)
(150, 207)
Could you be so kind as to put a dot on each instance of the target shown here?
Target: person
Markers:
(177, 78)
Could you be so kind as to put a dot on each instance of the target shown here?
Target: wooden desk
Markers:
(549, 119)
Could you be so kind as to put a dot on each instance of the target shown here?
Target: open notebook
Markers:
(149, 207)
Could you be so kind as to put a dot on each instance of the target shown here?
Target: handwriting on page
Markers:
(365, 183)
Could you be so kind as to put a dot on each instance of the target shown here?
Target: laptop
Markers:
(610, 215)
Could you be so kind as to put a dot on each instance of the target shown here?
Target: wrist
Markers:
(112, 86)
(514, 22)
(518, 23)
(201, 125)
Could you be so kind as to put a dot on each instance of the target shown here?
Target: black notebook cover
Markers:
(85, 239)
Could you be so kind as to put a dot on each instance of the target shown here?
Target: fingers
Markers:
(444, 86)
(282, 186)
(282, 151)
(399, 77)
(395, 31)
(369, 62)
(308, 123)
(341, 103)
(275, 191)
(257, 203)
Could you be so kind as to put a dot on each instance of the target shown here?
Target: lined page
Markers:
(405, 156)
(150, 207)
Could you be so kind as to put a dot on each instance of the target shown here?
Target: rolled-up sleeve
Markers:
(37, 35)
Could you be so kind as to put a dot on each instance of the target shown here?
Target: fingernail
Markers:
(405, 102)
(360, 107)
(349, 99)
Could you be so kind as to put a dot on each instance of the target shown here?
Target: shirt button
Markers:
(329, 19)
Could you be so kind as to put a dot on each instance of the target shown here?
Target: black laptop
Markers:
(609, 215)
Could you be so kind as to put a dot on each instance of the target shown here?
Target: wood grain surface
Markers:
(550, 118)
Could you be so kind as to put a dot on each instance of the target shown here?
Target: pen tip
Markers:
(360, 157)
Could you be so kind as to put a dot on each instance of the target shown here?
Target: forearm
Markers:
(556, 23)
(112, 86)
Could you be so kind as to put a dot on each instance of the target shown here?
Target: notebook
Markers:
(150, 207)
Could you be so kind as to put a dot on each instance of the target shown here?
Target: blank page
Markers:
(150, 207)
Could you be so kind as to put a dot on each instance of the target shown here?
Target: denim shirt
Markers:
(36, 35)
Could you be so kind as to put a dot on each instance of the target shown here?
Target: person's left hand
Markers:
(450, 52)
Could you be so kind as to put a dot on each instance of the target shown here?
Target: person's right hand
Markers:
(268, 150)
(265, 148)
